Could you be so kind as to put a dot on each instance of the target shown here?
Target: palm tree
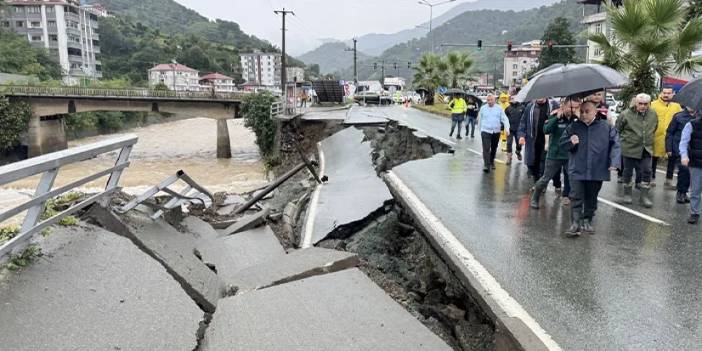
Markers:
(458, 68)
(430, 74)
(650, 36)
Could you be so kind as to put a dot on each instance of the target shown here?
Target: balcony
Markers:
(595, 18)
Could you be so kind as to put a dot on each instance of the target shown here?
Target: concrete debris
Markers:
(173, 249)
(339, 311)
(231, 254)
(296, 265)
(233, 200)
(200, 229)
(94, 290)
(246, 223)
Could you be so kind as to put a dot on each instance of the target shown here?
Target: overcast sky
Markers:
(317, 19)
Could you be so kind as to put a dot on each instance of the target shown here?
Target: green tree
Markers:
(458, 67)
(19, 56)
(256, 109)
(430, 73)
(650, 36)
(695, 9)
(558, 31)
(14, 118)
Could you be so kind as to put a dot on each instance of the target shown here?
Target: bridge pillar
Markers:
(224, 146)
(46, 135)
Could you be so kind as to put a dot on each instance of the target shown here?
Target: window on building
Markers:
(35, 24)
(36, 37)
(53, 37)
(514, 73)
(93, 17)
(74, 52)
(33, 9)
(49, 9)
(19, 9)
(598, 28)
(514, 66)
(75, 66)
(5, 24)
(51, 24)
(98, 68)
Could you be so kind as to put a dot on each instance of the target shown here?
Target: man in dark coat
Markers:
(514, 113)
(472, 114)
(531, 133)
(594, 151)
(672, 148)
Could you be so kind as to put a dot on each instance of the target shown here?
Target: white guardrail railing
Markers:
(48, 166)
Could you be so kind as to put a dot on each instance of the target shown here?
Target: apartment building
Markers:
(597, 23)
(175, 76)
(295, 74)
(64, 27)
(520, 61)
(219, 82)
(261, 69)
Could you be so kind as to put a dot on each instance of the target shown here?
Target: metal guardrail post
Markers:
(34, 213)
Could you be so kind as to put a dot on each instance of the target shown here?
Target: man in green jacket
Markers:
(556, 158)
(637, 128)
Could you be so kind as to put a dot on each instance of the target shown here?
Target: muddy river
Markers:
(162, 150)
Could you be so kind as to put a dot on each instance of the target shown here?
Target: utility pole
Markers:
(355, 60)
(283, 73)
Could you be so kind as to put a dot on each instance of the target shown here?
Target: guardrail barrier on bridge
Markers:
(37, 91)
(48, 166)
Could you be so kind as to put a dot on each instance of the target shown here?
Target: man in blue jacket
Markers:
(672, 148)
(589, 164)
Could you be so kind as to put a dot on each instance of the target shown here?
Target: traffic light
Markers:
(409, 64)
(550, 44)
(394, 65)
(480, 44)
(509, 45)
(375, 66)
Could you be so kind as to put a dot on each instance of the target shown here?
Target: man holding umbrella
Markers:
(458, 108)
(690, 147)
(531, 133)
(474, 104)
(637, 127)
(672, 147)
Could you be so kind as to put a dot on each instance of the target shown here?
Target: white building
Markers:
(63, 27)
(175, 76)
(518, 62)
(261, 69)
(295, 74)
(96, 9)
(219, 82)
(597, 23)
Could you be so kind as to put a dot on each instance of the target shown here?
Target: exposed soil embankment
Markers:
(394, 252)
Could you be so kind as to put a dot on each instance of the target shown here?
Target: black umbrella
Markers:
(553, 66)
(691, 95)
(476, 98)
(571, 79)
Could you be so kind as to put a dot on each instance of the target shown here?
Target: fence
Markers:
(35, 91)
(48, 166)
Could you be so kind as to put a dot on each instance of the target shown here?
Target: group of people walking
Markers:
(574, 144)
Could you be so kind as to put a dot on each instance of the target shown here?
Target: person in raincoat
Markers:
(666, 109)
(458, 108)
(531, 134)
(503, 101)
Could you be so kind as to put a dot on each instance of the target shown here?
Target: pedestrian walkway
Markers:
(631, 286)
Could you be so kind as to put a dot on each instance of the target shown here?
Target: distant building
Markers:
(295, 74)
(261, 69)
(219, 82)
(65, 28)
(518, 62)
(96, 9)
(597, 23)
(175, 76)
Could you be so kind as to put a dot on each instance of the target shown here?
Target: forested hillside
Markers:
(332, 56)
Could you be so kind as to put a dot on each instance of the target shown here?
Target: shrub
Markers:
(257, 116)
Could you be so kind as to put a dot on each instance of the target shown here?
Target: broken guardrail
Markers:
(192, 192)
(48, 166)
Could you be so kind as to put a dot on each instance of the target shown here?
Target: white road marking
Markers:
(633, 212)
(312, 210)
(453, 247)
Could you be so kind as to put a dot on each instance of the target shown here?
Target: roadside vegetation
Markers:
(14, 118)
(256, 110)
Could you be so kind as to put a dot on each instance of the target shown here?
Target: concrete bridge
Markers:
(46, 132)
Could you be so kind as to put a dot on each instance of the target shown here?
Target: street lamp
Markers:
(431, 16)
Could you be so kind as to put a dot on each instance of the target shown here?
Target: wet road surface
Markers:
(632, 286)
